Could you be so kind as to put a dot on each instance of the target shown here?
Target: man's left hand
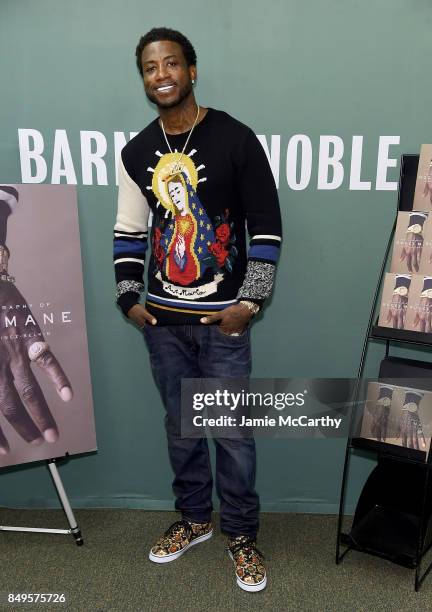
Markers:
(233, 319)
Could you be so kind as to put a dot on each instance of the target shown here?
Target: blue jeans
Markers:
(203, 351)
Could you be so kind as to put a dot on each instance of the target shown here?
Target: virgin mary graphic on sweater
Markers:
(187, 246)
(181, 248)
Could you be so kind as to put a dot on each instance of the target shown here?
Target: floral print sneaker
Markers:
(180, 536)
(248, 561)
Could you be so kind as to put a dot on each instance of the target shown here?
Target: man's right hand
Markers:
(140, 316)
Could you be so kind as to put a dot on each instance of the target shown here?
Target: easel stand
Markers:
(74, 529)
(393, 517)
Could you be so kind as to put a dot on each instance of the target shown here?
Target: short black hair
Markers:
(157, 34)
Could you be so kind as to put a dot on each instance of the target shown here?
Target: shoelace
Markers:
(176, 527)
(246, 545)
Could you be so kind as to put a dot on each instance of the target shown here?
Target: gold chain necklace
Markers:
(177, 164)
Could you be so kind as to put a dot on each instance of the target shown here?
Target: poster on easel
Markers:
(46, 406)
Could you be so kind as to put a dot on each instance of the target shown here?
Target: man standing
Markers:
(202, 174)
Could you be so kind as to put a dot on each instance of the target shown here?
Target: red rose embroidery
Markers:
(158, 251)
(217, 249)
(223, 233)
(159, 254)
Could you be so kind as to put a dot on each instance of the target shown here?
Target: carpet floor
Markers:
(112, 571)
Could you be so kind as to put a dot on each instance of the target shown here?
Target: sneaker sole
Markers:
(259, 586)
(176, 555)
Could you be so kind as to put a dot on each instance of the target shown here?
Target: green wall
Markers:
(323, 67)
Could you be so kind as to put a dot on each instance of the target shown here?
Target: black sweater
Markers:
(200, 201)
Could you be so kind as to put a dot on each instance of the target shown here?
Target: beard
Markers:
(182, 95)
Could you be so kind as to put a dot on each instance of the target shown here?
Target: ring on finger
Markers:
(37, 349)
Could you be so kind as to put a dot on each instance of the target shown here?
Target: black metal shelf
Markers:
(389, 450)
(379, 332)
(393, 515)
(388, 534)
(392, 519)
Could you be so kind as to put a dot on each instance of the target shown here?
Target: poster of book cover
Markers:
(412, 249)
(394, 301)
(398, 415)
(46, 407)
(407, 302)
(419, 311)
(423, 188)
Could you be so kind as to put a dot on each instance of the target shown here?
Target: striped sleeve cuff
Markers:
(127, 295)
